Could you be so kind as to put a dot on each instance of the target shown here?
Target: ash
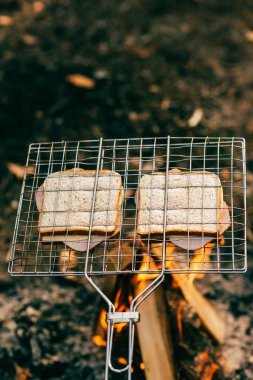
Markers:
(46, 327)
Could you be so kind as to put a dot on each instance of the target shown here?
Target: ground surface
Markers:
(152, 65)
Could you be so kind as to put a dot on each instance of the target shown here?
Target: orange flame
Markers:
(99, 341)
(122, 361)
(156, 250)
(117, 299)
(142, 366)
(102, 319)
(120, 307)
(179, 318)
(205, 367)
(170, 248)
(119, 326)
(147, 264)
(141, 278)
(201, 258)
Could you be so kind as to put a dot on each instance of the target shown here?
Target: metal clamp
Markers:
(123, 317)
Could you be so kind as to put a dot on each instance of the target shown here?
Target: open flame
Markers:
(99, 341)
(179, 318)
(142, 366)
(122, 361)
(147, 263)
(200, 259)
(205, 366)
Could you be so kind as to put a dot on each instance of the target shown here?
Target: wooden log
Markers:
(154, 336)
(205, 310)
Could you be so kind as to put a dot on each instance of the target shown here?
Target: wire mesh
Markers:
(127, 251)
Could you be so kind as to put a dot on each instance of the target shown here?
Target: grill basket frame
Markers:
(132, 158)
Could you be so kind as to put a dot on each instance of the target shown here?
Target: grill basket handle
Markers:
(113, 318)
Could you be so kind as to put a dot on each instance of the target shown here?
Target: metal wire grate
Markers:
(127, 251)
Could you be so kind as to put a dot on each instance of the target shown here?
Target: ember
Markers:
(205, 367)
(122, 361)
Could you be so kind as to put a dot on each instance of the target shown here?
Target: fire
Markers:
(156, 250)
(142, 366)
(141, 278)
(170, 248)
(120, 307)
(99, 341)
(122, 361)
(201, 258)
(117, 299)
(147, 263)
(179, 318)
(102, 319)
(119, 326)
(205, 367)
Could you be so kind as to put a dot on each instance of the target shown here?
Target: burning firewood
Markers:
(208, 315)
(205, 367)
(206, 312)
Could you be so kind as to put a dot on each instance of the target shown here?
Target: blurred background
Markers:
(73, 70)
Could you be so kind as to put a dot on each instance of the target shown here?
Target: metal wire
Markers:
(128, 252)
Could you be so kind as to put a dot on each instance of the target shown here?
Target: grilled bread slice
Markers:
(194, 203)
(68, 197)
